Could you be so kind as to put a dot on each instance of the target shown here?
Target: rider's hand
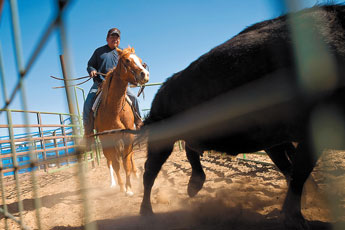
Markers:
(93, 73)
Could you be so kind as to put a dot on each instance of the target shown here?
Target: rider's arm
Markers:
(92, 65)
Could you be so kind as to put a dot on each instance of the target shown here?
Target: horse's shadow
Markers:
(233, 218)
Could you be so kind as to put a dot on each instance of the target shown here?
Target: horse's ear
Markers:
(119, 51)
(132, 50)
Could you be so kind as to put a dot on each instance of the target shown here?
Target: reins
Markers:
(138, 133)
(74, 79)
(113, 131)
(142, 87)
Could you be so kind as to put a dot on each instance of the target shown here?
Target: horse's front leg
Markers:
(157, 154)
(198, 177)
(127, 163)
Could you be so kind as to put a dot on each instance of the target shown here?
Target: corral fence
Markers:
(56, 145)
(52, 144)
(67, 136)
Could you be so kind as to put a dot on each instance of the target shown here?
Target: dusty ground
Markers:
(237, 194)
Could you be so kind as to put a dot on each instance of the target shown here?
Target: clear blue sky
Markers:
(168, 35)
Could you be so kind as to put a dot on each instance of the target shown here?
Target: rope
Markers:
(74, 79)
(112, 131)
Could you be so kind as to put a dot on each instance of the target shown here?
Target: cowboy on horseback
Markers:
(105, 58)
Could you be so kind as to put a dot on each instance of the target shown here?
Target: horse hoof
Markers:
(113, 186)
(136, 175)
(129, 193)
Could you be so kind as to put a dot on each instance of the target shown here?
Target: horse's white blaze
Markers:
(137, 62)
(113, 182)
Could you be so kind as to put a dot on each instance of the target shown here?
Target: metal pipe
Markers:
(10, 216)
(56, 152)
(87, 208)
(43, 143)
(16, 35)
(15, 166)
(40, 151)
(32, 111)
(36, 139)
(3, 195)
(37, 126)
(21, 70)
(2, 77)
(64, 134)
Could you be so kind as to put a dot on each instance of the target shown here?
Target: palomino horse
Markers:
(114, 112)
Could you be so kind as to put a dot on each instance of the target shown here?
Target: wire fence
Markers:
(58, 146)
(37, 157)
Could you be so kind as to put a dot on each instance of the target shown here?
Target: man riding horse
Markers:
(104, 59)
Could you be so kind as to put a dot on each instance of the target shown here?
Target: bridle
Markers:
(141, 90)
(98, 73)
(128, 69)
(132, 71)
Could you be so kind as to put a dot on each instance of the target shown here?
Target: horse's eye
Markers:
(127, 61)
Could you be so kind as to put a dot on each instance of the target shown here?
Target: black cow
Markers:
(252, 93)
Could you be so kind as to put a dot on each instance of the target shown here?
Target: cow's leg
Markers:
(303, 164)
(157, 154)
(198, 177)
(281, 156)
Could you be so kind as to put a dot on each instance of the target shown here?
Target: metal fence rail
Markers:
(22, 69)
(44, 144)
(43, 147)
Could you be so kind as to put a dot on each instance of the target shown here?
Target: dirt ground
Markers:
(237, 194)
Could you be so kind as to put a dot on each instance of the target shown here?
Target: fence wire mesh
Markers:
(207, 116)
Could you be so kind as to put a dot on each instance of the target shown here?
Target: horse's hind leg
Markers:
(157, 154)
(198, 177)
(134, 168)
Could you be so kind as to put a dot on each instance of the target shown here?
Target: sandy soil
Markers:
(237, 194)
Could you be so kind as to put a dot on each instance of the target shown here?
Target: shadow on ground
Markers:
(232, 218)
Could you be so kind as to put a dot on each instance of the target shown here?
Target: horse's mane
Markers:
(127, 50)
(105, 84)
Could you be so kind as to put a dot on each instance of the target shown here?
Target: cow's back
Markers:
(258, 51)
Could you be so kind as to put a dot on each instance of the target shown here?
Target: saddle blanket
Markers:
(97, 102)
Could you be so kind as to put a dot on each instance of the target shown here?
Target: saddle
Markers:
(98, 100)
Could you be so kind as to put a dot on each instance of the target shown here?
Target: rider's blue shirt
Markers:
(102, 60)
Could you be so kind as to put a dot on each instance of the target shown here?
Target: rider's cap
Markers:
(114, 31)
